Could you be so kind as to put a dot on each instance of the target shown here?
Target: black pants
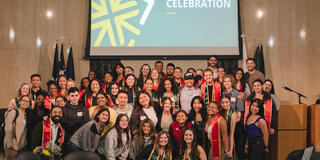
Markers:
(256, 149)
(240, 140)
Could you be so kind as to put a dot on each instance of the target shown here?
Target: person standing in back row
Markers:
(252, 73)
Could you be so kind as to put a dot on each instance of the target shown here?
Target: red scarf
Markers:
(46, 133)
(216, 138)
(177, 131)
(88, 101)
(47, 103)
(111, 104)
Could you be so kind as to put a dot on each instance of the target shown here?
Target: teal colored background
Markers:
(195, 27)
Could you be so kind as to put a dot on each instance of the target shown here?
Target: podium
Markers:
(315, 126)
(292, 129)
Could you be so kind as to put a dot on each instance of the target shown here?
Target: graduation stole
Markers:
(46, 133)
(118, 81)
(155, 156)
(88, 101)
(111, 104)
(133, 95)
(216, 93)
(216, 138)
(267, 111)
(47, 103)
(104, 88)
(229, 115)
(175, 99)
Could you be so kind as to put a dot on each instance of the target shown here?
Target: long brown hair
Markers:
(120, 131)
(152, 133)
(195, 153)
(168, 147)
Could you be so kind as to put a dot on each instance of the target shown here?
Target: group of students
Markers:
(204, 114)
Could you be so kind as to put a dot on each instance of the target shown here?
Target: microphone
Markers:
(286, 88)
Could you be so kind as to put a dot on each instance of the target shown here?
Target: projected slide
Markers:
(164, 27)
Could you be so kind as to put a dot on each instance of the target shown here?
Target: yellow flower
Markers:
(35, 149)
(46, 152)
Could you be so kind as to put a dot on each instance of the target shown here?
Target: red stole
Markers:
(47, 103)
(104, 89)
(88, 101)
(216, 92)
(82, 91)
(177, 132)
(267, 112)
(46, 133)
(123, 80)
(111, 104)
(216, 138)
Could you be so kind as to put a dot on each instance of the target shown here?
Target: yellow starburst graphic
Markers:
(111, 23)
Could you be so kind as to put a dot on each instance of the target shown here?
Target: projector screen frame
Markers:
(87, 55)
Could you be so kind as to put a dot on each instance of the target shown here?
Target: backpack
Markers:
(2, 128)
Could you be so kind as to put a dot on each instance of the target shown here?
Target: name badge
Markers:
(79, 114)
(143, 118)
(233, 99)
(45, 117)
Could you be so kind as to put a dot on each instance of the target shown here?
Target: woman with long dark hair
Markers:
(269, 88)
(119, 74)
(148, 86)
(198, 117)
(130, 87)
(145, 71)
(112, 93)
(89, 99)
(168, 88)
(62, 85)
(143, 109)
(190, 148)
(117, 140)
(102, 103)
(88, 136)
(257, 131)
(241, 84)
(216, 129)
(160, 150)
(165, 115)
(84, 84)
(145, 137)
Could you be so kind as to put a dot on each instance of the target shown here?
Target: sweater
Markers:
(87, 137)
(109, 146)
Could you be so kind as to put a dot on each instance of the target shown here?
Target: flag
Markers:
(62, 67)
(70, 65)
(258, 57)
(244, 53)
(55, 67)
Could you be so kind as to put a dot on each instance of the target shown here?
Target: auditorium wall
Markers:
(289, 31)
